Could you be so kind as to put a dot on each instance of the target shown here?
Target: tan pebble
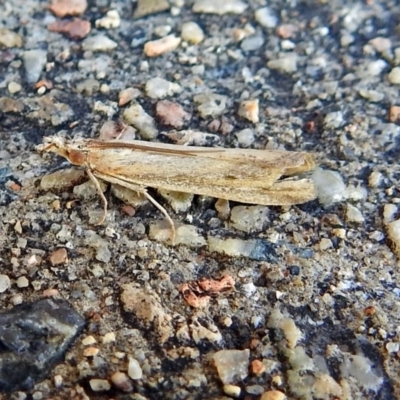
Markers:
(127, 95)
(108, 337)
(157, 47)
(88, 340)
(98, 385)
(223, 208)
(91, 351)
(286, 31)
(18, 227)
(273, 395)
(59, 256)
(22, 282)
(277, 380)
(192, 33)
(257, 367)
(58, 380)
(248, 109)
(394, 114)
(62, 8)
(121, 381)
(50, 293)
(109, 21)
(56, 205)
(232, 390)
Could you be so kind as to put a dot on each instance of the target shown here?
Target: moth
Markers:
(264, 177)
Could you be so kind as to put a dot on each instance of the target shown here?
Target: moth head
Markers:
(73, 150)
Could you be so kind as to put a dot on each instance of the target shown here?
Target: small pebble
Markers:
(99, 42)
(34, 62)
(172, 114)
(232, 365)
(273, 395)
(121, 381)
(249, 110)
(136, 116)
(5, 283)
(109, 21)
(99, 385)
(158, 88)
(232, 390)
(266, 17)
(134, 370)
(10, 39)
(63, 8)
(394, 76)
(109, 337)
(157, 47)
(14, 87)
(219, 7)
(353, 214)
(127, 95)
(22, 282)
(192, 33)
(59, 256)
(88, 340)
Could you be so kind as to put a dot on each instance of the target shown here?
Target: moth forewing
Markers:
(243, 175)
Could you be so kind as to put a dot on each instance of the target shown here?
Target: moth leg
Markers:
(164, 211)
(100, 192)
(137, 189)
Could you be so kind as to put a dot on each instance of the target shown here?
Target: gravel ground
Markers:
(305, 299)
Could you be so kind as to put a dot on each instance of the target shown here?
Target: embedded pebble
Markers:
(232, 390)
(9, 39)
(266, 17)
(63, 8)
(329, 185)
(62, 179)
(232, 365)
(127, 95)
(155, 48)
(158, 88)
(99, 385)
(285, 64)
(136, 116)
(5, 283)
(273, 395)
(375, 179)
(99, 42)
(59, 256)
(394, 76)
(185, 234)
(245, 137)
(252, 43)
(148, 7)
(75, 29)
(372, 95)
(192, 33)
(103, 254)
(22, 282)
(172, 114)
(249, 110)
(219, 7)
(393, 232)
(14, 87)
(353, 214)
(121, 381)
(249, 218)
(109, 21)
(211, 104)
(179, 201)
(34, 62)
(134, 370)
